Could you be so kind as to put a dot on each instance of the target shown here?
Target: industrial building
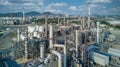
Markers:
(65, 44)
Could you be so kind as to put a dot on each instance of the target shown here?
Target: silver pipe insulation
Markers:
(64, 47)
(47, 59)
(51, 46)
(59, 57)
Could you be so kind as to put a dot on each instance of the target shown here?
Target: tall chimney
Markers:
(89, 13)
(23, 15)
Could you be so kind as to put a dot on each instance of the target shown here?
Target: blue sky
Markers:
(77, 7)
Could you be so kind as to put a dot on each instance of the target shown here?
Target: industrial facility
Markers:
(61, 41)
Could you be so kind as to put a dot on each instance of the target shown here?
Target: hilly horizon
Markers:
(32, 13)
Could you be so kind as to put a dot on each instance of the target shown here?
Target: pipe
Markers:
(51, 37)
(64, 47)
(42, 50)
(59, 57)
(98, 23)
(47, 59)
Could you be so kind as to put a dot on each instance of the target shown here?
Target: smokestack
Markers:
(89, 14)
(51, 36)
(23, 15)
(98, 30)
(46, 23)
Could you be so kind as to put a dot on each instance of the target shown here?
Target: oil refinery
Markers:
(59, 41)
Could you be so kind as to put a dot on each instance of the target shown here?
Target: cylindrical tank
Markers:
(41, 29)
(36, 27)
(22, 37)
(35, 34)
(31, 29)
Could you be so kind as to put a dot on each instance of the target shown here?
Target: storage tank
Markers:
(22, 37)
(41, 29)
(100, 59)
(35, 34)
(31, 29)
(36, 27)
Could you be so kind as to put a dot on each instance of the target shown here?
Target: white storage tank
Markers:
(114, 52)
(35, 34)
(31, 29)
(36, 27)
(100, 59)
(22, 37)
(41, 28)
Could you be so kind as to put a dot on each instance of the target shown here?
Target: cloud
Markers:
(57, 5)
(53, 11)
(73, 8)
(5, 2)
(20, 1)
(102, 1)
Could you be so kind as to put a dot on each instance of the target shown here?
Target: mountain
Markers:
(33, 13)
(19, 14)
(47, 13)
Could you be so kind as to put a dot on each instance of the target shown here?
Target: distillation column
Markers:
(98, 23)
(26, 42)
(51, 37)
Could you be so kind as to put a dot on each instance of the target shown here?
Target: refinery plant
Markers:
(59, 41)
